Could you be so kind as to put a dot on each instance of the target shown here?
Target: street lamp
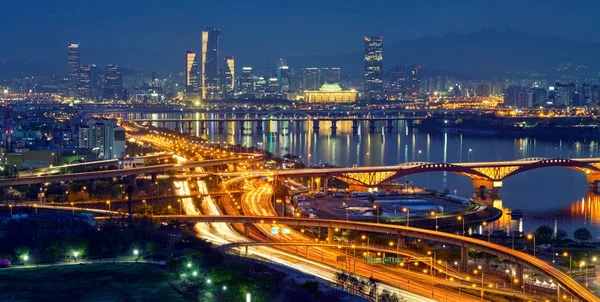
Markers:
(376, 212)
(565, 254)
(145, 212)
(485, 224)
(363, 237)
(433, 213)
(419, 156)
(463, 224)
(479, 267)
(75, 254)
(582, 264)
(108, 203)
(73, 208)
(10, 207)
(532, 236)
(180, 206)
(25, 258)
(345, 205)
(469, 157)
(407, 210)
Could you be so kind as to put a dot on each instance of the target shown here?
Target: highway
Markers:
(572, 286)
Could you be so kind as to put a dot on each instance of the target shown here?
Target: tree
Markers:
(544, 232)
(371, 198)
(387, 296)
(561, 235)
(342, 278)
(582, 234)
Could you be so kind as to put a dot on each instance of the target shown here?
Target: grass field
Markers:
(90, 282)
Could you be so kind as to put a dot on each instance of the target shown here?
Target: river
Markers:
(545, 195)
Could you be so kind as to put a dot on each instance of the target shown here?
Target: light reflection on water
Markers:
(544, 195)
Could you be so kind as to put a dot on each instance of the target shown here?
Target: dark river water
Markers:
(546, 196)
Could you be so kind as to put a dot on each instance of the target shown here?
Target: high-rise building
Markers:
(113, 88)
(211, 71)
(565, 93)
(406, 80)
(373, 65)
(73, 63)
(95, 82)
(284, 78)
(414, 83)
(330, 75)
(228, 77)
(104, 137)
(260, 87)
(482, 90)
(84, 82)
(311, 79)
(247, 81)
(191, 71)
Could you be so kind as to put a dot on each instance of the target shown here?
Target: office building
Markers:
(84, 82)
(482, 90)
(228, 77)
(73, 63)
(284, 78)
(311, 79)
(564, 94)
(113, 87)
(260, 87)
(95, 82)
(247, 81)
(330, 93)
(211, 71)
(330, 75)
(373, 66)
(191, 71)
(406, 80)
(103, 137)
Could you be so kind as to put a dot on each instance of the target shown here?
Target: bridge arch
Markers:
(289, 112)
(584, 167)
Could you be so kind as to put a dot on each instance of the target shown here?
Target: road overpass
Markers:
(9, 182)
(484, 175)
(464, 242)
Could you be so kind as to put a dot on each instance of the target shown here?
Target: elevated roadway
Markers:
(520, 258)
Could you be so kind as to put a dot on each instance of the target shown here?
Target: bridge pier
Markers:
(259, 126)
(333, 127)
(390, 126)
(164, 124)
(92, 189)
(177, 127)
(325, 185)
(202, 127)
(330, 233)
(221, 126)
(242, 127)
(355, 125)
(298, 125)
(189, 127)
(481, 185)
(464, 259)
(246, 229)
(372, 126)
(316, 125)
(593, 180)
(153, 177)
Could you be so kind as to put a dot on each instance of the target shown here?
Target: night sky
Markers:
(152, 32)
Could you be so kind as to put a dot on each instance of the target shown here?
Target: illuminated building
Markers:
(373, 65)
(406, 80)
(113, 88)
(84, 82)
(260, 86)
(311, 79)
(330, 75)
(330, 93)
(73, 63)
(228, 76)
(191, 71)
(211, 71)
(284, 77)
(247, 81)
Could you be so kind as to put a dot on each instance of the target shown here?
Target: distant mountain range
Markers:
(485, 53)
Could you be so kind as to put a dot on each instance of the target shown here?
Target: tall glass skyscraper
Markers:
(113, 88)
(211, 71)
(191, 71)
(228, 76)
(373, 65)
(73, 63)
(247, 81)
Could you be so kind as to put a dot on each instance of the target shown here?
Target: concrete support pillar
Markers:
(246, 229)
(330, 232)
(519, 275)
(481, 185)
(312, 183)
(390, 126)
(164, 124)
(177, 128)
(221, 126)
(259, 126)
(242, 128)
(355, 125)
(189, 127)
(316, 125)
(593, 180)
(372, 126)
(202, 126)
(92, 187)
(325, 185)
(464, 259)
(153, 177)
(333, 127)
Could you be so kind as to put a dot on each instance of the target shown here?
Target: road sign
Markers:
(285, 231)
(340, 259)
(275, 230)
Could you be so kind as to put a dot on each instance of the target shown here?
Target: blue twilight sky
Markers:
(153, 32)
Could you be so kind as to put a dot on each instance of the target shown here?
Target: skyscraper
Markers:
(283, 78)
(191, 71)
(373, 65)
(211, 72)
(311, 79)
(84, 82)
(247, 81)
(228, 77)
(104, 137)
(73, 63)
(113, 88)
(330, 75)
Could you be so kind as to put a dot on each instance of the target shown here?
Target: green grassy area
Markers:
(90, 282)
